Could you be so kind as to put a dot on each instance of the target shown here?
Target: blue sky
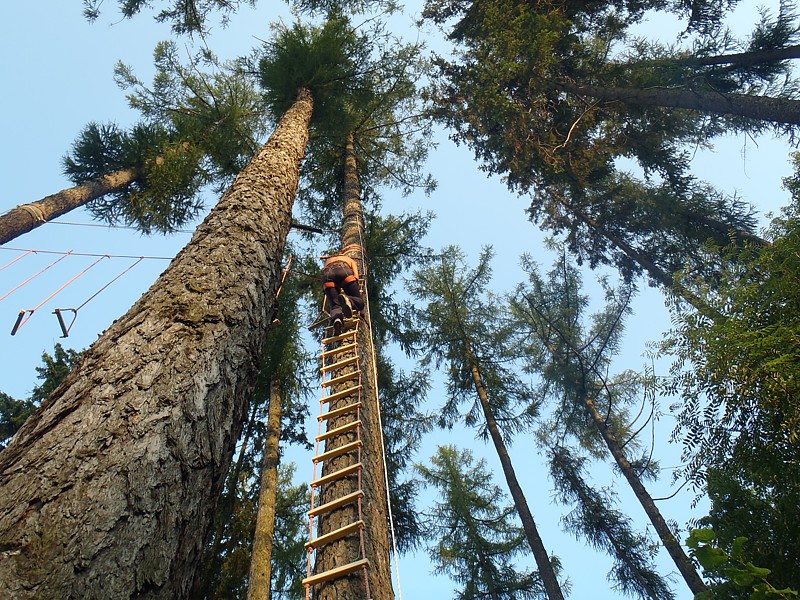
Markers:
(57, 76)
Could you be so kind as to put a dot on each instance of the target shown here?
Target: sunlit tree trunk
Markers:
(546, 571)
(261, 559)
(375, 506)
(109, 489)
(27, 217)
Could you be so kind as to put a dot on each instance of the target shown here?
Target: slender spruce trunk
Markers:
(259, 584)
(545, 567)
(27, 217)
(109, 488)
(672, 545)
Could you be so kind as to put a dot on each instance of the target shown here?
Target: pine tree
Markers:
(476, 541)
(574, 360)
(606, 528)
(200, 123)
(460, 331)
(160, 413)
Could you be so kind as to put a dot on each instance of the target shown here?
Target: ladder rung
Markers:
(341, 378)
(337, 474)
(341, 363)
(343, 429)
(343, 449)
(339, 411)
(335, 535)
(337, 572)
(340, 337)
(328, 506)
(343, 394)
(339, 349)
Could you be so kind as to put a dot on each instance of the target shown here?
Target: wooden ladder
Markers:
(340, 412)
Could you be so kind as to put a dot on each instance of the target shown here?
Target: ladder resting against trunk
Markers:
(336, 489)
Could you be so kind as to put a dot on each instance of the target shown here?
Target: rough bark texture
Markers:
(674, 548)
(258, 587)
(762, 108)
(108, 490)
(545, 567)
(375, 505)
(26, 217)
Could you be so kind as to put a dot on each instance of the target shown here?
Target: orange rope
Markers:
(16, 259)
(37, 274)
(20, 321)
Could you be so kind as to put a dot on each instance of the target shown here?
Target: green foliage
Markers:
(186, 16)
(736, 375)
(54, 369)
(740, 388)
(161, 197)
(461, 327)
(512, 92)
(731, 570)
(606, 528)
(572, 352)
(211, 104)
(389, 130)
(13, 414)
(329, 61)
(290, 536)
(475, 538)
(758, 502)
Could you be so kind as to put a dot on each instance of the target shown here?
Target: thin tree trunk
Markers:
(109, 489)
(745, 59)
(27, 217)
(762, 108)
(375, 505)
(545, 567)
(259, 585)
(201, 587)
(669, 541)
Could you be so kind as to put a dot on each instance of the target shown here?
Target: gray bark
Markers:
(672, 545)
(108, 490)
(546, 572)
(763, 108)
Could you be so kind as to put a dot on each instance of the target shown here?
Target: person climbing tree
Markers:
(340, 284)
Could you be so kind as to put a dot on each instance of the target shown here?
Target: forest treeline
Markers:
(151, 464)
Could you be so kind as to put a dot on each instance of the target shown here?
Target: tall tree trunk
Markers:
(673, 547)
(259, 585)
(27, 217)
(109, 489)
(762, 108)
(375, 505)
(546, 571)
